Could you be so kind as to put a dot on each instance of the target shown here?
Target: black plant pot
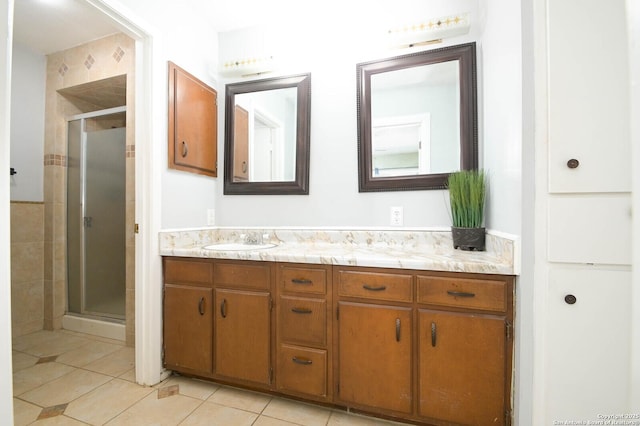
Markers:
(471, 239)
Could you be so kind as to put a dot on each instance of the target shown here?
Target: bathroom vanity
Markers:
(394, 324)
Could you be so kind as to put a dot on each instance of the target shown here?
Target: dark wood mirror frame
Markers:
(466, 55)
(300, 185)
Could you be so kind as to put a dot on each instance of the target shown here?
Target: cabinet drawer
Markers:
(188, 271)
(303, 280)
(373, 285)
(250, 275)
(303, 321)
(302, 370)
(463, 293)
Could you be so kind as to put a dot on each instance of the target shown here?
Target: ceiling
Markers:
(48, 26)
(51, 26)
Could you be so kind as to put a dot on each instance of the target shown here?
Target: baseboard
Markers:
(110, 330)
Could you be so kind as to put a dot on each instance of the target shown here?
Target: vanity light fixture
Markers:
(245, 67)
(429, 31)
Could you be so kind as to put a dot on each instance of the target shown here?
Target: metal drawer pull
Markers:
(460, 293)
(301, 281)
(223, 308)
(302, 361)
(368, 287)
(301, 310)
(433, 334)
(397, 329)
(185, 149)
(201, 306)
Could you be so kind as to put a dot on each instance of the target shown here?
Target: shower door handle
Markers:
(88, 221)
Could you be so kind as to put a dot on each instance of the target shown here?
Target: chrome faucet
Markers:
(253, 238)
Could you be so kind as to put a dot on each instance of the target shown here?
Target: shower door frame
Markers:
(83, 117)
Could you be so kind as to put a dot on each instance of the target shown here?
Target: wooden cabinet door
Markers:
(193, 123)
(188, 327)
(243, 335)
(240, 144)
(375, 356)
(462, 367)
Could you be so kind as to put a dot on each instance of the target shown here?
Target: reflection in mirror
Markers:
(417, 119)
(267, 136)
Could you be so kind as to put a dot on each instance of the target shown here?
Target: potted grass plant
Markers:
(467, 189)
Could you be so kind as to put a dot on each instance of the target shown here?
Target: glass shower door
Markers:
(99, 276)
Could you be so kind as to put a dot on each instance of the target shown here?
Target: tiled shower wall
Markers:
(108, 57)
(27, 267)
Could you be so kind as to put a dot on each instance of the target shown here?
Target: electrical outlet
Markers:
(396, 216)
(211, 217)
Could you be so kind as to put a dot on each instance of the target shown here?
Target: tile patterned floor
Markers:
(67, 378)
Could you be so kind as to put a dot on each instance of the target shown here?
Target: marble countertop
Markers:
(420, 249)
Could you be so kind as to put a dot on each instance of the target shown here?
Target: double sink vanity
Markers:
(395, 324)
(392, 323)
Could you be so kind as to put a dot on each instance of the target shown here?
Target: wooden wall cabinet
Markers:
(193, 124)
(428, 347)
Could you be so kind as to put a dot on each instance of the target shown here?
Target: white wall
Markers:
(500, 70)
(6, 376)
(183, 36)
(27, 123)
(633, 25)
(331, 58)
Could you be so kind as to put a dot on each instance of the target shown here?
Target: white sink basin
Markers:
(238, 246)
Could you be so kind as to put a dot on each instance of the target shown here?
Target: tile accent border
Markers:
(56, 410)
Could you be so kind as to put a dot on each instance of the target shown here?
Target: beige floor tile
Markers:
(270, 421)
(115, 363)
(88, 353)
(194, 388)
(106, 402)
(299, 413)
(240, 399)
(59, 421)
(24, 413)
(54, 343)
(129, 376)
(158, 412)
(23, 343)
(339, 418)
(211, 414)
(37, 375)
(22, 360)
(66, 388)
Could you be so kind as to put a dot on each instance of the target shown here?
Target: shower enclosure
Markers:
(96, 183)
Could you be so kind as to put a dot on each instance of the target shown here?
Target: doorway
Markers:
(96, 214)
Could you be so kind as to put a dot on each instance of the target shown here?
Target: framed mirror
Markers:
(417, 119)
(267, 132)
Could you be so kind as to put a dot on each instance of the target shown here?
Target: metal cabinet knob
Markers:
(573, 163)
(570, 299)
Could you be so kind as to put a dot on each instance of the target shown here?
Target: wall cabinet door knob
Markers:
(570, 299)
(573, 163)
